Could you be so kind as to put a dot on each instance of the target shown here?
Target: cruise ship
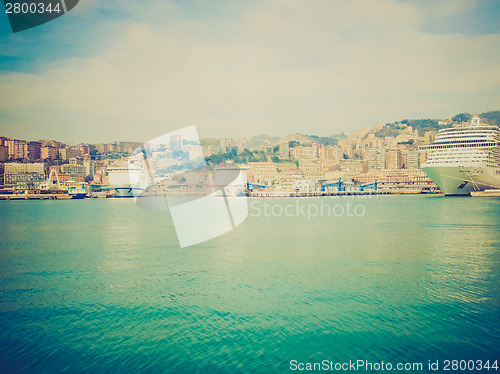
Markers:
(465, 158)
(119, 180)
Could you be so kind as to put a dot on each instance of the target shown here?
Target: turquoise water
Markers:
(102, 286)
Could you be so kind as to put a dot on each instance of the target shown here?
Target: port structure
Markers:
(333, 184)
(341, 185)
(254, 185)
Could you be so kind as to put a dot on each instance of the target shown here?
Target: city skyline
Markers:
(244, 68)
(353, 132)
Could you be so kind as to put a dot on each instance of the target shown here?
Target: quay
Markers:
(45, 196)
(313, 194)
(486, 193)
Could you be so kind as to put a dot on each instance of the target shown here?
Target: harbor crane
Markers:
(332, 184)
(373, 184)
(253, 185)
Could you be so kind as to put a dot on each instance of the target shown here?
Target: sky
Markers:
(134, 70)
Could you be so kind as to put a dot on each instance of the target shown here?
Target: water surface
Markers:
(99, 285)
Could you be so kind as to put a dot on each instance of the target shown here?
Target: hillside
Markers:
(493, 118)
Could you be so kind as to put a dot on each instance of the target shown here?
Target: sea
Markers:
(102, 286)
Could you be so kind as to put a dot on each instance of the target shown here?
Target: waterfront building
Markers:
(286, 179)
(262, 172)
(74, 170)
(21, 173)
(305, 185)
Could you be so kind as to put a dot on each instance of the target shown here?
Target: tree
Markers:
(462, 117)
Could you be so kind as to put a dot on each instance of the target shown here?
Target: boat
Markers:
(77, 190)
(231, 178)
(119, 180)
(465, 158)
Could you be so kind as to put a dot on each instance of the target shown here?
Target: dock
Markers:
(45, 196)
(312, 194)
(486, 193)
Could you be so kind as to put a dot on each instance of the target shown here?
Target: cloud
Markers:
(276, 67)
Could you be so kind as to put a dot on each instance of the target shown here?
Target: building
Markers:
(18, 149)
(394, 159)
(412, 159)
(262, 172)
(376, 159)
(308, 165)
(63, 154)
(4, 153)
(330, 152)
(48, 153)
(75, 171)
(34, 150)
(89, 167)
(305, 185)
(175, 143)
(284, 150)
(429, 137)
(352, 166)
(76, 161)
(22, 173)
(227, 144)
(304, 152)
(101, 148)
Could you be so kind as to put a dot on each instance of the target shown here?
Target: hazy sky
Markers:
(133, 70)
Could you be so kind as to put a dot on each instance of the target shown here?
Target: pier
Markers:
(36, 196)
(486, 193)
(313, 194)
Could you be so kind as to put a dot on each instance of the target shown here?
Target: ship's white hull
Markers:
(461, 180)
